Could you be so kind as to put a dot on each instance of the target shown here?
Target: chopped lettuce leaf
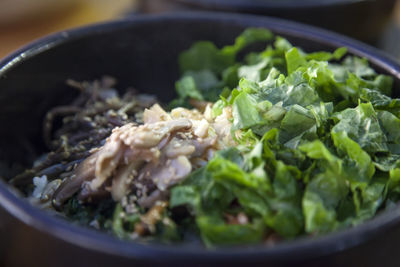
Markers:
(318, 141)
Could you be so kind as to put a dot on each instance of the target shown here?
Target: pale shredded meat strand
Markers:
(152, 157)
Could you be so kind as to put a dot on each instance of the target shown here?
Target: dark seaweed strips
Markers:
(84, 125)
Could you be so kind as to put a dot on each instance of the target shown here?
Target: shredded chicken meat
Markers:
(146, 160)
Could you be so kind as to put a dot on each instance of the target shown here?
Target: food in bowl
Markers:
(257, 147)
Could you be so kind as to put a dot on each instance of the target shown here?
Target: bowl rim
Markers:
(301, 248)
(268, 4)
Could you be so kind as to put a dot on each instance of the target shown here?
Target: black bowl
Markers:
(361, 19)
(142, 52)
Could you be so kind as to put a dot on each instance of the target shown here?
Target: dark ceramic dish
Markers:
(142, 52)
(362, 19)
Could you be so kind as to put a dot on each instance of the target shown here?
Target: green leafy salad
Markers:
(258, 147)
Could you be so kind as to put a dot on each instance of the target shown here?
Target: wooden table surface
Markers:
(16, 34)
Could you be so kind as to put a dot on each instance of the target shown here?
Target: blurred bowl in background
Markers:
(361, 19)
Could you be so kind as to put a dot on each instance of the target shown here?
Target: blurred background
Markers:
(376, 22)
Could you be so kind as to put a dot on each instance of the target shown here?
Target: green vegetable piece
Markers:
(360, 160)
(361, 125)
(296, 122)
(326, 56)
(225, 170)
(325, 191)
(120, 219)
(186, 87)
(390, 125)
(294, 60)
(244, 112)
(185, 195)
(214, 231)
(205, 55)
(249, 36)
